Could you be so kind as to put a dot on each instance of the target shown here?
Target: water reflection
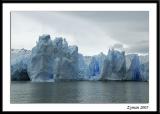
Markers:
(54, 92)
(80, 92)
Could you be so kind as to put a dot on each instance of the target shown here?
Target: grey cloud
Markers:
(139, 47)
(117, 46)
(92, 31)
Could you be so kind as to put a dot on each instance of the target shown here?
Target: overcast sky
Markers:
(92, 31)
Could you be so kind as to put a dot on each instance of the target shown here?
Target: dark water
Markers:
(80, 92)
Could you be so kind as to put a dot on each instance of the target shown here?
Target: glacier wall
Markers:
(138, 70)
(19, 63)
(52, 60)
(40, 68)
(114, 66)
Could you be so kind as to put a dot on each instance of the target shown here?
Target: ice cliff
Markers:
(114, 67)
(52, 60)
(137, 68)
(19, 63)
(90, 67)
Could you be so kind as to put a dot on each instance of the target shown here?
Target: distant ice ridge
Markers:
(52, 60)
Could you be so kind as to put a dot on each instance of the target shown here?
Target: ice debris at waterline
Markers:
(52, 60)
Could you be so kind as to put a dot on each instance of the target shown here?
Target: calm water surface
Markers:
(80, 92)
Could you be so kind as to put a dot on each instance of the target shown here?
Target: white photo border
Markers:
(151, 7)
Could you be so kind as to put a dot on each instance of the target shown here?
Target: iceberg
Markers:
(137, 68)
(19, 63)
(83, 69)
(90, 67)
(145, 71)
(40, 67)
(114, 66)
(134, 72)
(95, 66)
(144, 59)
(52, 60)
